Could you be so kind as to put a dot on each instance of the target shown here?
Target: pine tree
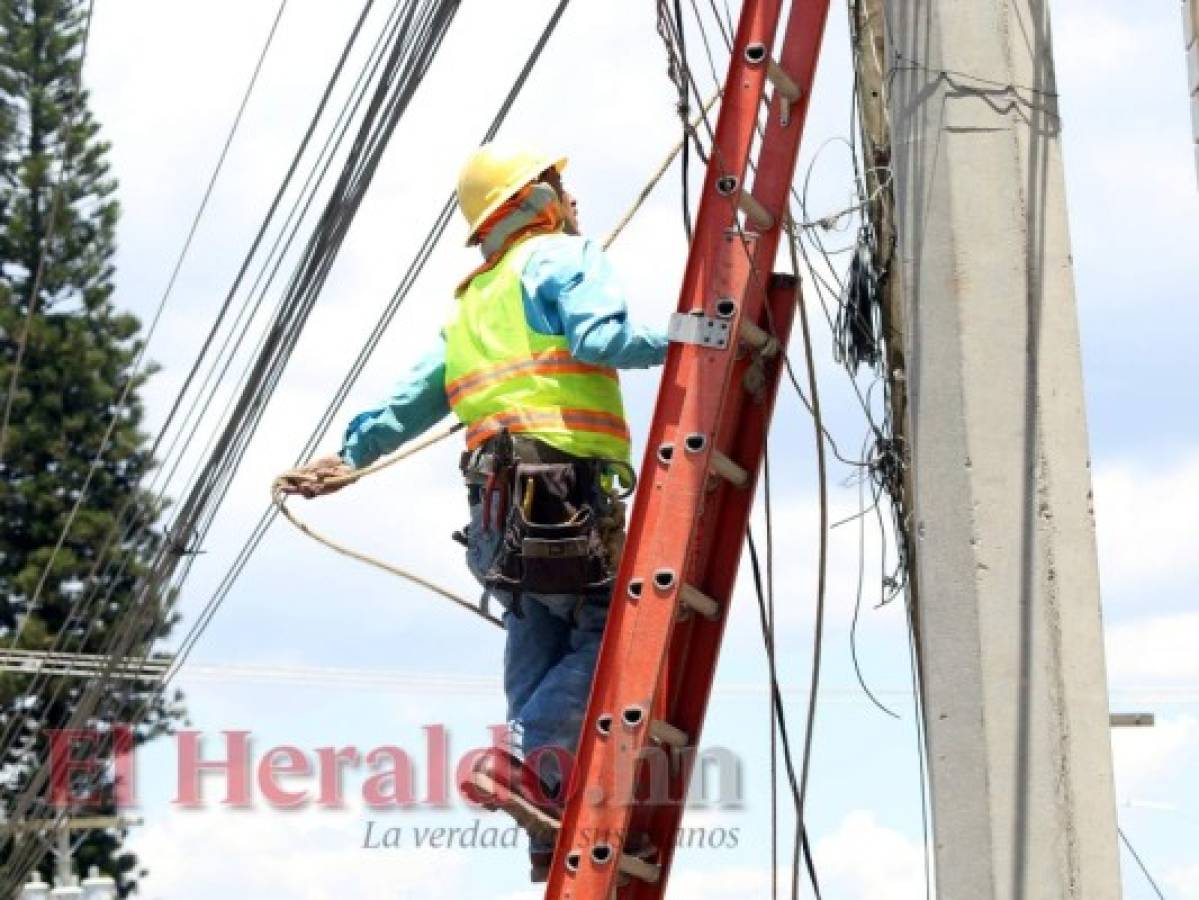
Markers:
(79, 354)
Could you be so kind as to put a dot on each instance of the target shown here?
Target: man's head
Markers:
(494, 174)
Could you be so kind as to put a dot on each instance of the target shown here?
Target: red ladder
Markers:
(692, 508)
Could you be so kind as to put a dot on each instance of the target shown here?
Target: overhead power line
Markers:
(137, 365)
(312, 271)
(125, 531)
(415, 38)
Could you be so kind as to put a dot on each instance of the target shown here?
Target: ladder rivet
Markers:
(665, 453)
(695, 442)
(632, 716)
(725, 307)
(726, 184)
(635, 587)
(572, 861)
(755, 53)
(603, 724)
(601, 854)
(664, 579)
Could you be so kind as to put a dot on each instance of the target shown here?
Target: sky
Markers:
(314, 650)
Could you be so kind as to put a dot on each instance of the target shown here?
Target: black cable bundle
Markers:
(858, 329)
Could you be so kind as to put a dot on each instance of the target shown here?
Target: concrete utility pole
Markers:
(1010, 635)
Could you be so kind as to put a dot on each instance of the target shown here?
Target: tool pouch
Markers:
(552, 542)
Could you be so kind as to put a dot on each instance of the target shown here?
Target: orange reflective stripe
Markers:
(530, 420)
(551, 362)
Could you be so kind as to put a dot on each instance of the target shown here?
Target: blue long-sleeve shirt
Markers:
(569, 289)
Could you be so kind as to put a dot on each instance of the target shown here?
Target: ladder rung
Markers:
(695, 599)
(759, 338)
(757, 213)
(783, 83)
(665, 733)
(729, 470)
(640, 869)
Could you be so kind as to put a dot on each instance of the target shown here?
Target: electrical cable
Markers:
(80, 610)
(774, 799)
(82, 494)
(822, 573)
(781, 721)
(418, 36)
(1140, 863)
(131, 528)
(397, 298)
(857, 605)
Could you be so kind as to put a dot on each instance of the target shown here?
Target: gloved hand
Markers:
(312, 480)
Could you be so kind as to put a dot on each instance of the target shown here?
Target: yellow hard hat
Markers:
(492, 175)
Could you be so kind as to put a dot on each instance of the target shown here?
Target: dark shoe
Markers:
(539, 865)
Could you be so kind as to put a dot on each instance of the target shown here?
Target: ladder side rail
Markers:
(695, 658)
(683, 530)
(687, 681)
(664, 510)
(718, 550)
(635, 653)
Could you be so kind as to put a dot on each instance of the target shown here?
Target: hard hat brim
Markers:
(532, 173)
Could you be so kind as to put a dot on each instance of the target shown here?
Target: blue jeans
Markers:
(549, 658)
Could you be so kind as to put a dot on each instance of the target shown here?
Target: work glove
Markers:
(313, 480)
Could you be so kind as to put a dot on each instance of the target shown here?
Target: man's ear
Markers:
(540, 197)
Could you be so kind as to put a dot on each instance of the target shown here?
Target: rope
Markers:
(655, 178)
(294, 477)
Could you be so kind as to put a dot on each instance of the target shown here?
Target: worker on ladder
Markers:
(528, 363)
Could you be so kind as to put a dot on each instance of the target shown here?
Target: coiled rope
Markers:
(295, 477)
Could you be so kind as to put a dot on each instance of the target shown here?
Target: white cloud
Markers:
(863, 860)
(1147, 517)
(1109, 41)
(1163, 650)
(311, 855)
(1185, 882)
(1147, 760)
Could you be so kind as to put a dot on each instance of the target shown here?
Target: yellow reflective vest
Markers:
(501, 374)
